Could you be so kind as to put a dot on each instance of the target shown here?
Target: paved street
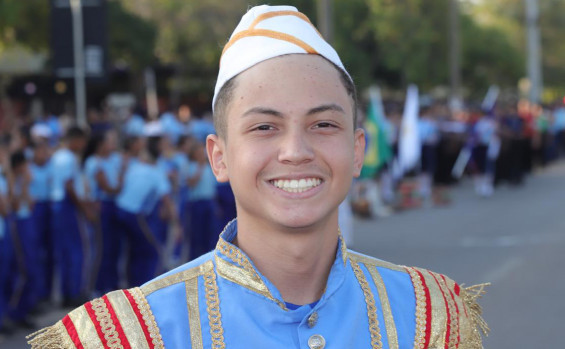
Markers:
(515, 240)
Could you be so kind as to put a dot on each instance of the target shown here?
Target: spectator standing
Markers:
(69, 210)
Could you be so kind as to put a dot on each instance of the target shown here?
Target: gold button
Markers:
(313, 319)
(316, 342)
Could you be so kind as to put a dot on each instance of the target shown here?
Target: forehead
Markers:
(284, 78)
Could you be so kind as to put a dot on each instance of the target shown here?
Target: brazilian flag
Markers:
(377, 149)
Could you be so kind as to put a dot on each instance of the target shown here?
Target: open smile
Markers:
(296, 185)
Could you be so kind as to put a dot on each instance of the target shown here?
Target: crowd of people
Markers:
(498, 145)
(84, 212)
(116, 205)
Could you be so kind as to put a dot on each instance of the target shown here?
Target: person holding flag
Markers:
(378, 154)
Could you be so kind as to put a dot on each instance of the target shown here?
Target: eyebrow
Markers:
(319, 109)
(325, 107)
(263, 110)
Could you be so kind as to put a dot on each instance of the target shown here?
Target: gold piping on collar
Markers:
(243, 278)
(236, 255)
(244, 274)
(341, 241)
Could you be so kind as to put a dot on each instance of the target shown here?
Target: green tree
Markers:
(508, 16)
(488, 57)
(24, 23)
(131, 39)
(412, 35)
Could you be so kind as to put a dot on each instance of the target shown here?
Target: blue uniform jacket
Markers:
(221, 300)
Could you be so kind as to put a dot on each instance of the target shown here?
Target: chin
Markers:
(302, 220)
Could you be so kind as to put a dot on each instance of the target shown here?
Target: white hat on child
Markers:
(266, 32)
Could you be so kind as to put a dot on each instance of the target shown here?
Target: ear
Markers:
(358, 151)
(215, 147)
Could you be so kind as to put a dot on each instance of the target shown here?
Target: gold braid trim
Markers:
(419, 292)
(148, 317)
(376, 342)
(452, 309)
(106, 324)
(236, 255)
(470, 295)
(213, 309)
(52, 337)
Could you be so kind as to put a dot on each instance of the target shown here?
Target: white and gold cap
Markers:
(266, 32)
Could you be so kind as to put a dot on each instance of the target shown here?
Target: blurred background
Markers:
(463, 103)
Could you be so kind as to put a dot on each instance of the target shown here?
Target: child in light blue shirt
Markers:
(69, 209)
(145, 186)
(39, 191)
(202, 206)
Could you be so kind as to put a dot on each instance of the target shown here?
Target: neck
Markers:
(296, 261)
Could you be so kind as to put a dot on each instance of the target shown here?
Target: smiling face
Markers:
(290, 150)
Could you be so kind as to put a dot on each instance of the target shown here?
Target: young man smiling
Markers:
(281, 276)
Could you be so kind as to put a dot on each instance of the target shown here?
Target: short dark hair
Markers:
(225, 95)
(17, 159)
(183, 140)
(129, 141)
(75, 132)
(153, 147)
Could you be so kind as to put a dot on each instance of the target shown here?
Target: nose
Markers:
(295, 148)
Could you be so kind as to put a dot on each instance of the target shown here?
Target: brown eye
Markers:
(264, 128)
(324, 125)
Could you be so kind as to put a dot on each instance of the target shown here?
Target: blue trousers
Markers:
(26, 243)
(6, 261)
(158, 225)
(144, 249)
(41, 220)
(71, 248)
(110, 234)
(204, 227)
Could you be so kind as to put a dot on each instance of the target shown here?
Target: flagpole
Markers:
(454, 55)
(534, 51)
(78, 48)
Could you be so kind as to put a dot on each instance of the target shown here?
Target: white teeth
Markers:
(295, 185)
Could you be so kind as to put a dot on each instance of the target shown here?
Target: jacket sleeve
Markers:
(447, 315)
(120, 319)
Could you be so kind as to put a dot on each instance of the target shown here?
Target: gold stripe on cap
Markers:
(271, 34)
(272, 14)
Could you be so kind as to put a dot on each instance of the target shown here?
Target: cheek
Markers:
(340, 153)
(245, 161)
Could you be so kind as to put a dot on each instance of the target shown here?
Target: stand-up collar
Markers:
(234, 265)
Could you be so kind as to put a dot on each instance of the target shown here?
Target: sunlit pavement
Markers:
(515, 240)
